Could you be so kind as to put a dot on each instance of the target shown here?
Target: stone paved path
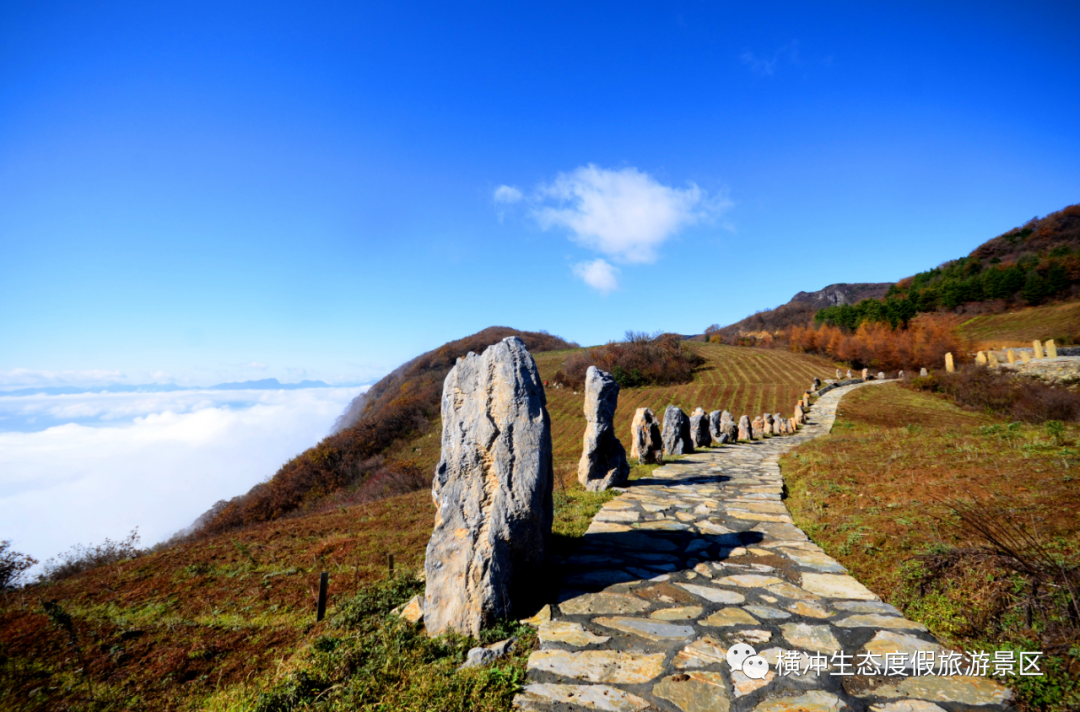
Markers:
(702, 556)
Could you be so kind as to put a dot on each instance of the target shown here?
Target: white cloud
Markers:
(162, 460)
(35, 378)
(598, 274)
(624, 214)
(507, 194)
(767, 66)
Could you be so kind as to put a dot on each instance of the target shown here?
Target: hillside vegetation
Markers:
(396, 408)
(1027, 265)
(884, 493)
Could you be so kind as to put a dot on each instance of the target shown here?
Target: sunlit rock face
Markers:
(492, 490)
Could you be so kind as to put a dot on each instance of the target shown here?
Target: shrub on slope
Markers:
(639, 360)
(400, 405)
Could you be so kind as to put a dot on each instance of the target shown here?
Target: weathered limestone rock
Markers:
(746, 430)
(838, 376)
(728, 427)
(865, 372)
(849, 373)
(923, 372)
(1011, 356)
(817, 383)
(949, 366)
(1051, 349)
(900, 375)
(699, 429)
(1025, 357)
(646, 444)
(777, 427)
(603, 458)
(1038, 349)
(793, 426)
(800, 416)
(492, 491)
(766, 424)
(992, 359)
(881, 375)
(715, 432)
(758, 428)
(980, 359)
(676, 435)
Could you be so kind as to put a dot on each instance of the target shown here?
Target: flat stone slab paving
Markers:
(704, 558)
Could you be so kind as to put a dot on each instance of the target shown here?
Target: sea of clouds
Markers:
(75, 469)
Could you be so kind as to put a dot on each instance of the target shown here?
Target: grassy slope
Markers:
(1021, 327)
(210, 623)
(867, 493)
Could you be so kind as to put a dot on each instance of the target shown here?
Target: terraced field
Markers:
(1020, 327)
(742, 380)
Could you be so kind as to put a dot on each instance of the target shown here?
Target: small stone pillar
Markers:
(992, 359)
(923, 371)
(1051, 349)
(980, 359)
(1038, 349)
(1009, 354)
(900, 375)
(1025, 357)
(949, 367)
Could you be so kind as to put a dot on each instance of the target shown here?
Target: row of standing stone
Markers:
(603, 460)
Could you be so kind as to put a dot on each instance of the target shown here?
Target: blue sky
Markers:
(199, 192)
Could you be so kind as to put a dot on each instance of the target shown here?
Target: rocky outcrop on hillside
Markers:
(801, 309)
(492, 490)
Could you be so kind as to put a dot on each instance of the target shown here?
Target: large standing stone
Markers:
(922, 371)
(1037, 345)
(646, 444)
(746, 430)
(1051, 349)
(603, 458)
(728, 427)
(766, 424)
(949, 365)
(758, 428)
(817, 383)
(492, 491)
(699, 428)
(777, 424)
(715, 418)
(676, 435)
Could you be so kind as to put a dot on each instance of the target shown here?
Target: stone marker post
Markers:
(1051, 349)
(1009, 354)
(980, 359)
(949, 367)
(1038, 349)
(646, 444)
(746, 431)
(492, 491)
(699, 428)
(1025, 357)
(603, 458)
(992, 359)
(676, 434)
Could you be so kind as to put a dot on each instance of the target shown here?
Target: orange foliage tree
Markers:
(877, 345)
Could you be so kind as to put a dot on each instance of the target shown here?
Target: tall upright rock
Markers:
(492, 491)
(699, 428)
(728, 427)
(603, 458)
(676, 433)
(746, 430)
(646, 444)
(715, 432)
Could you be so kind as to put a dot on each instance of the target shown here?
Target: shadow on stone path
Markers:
(704, 555)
